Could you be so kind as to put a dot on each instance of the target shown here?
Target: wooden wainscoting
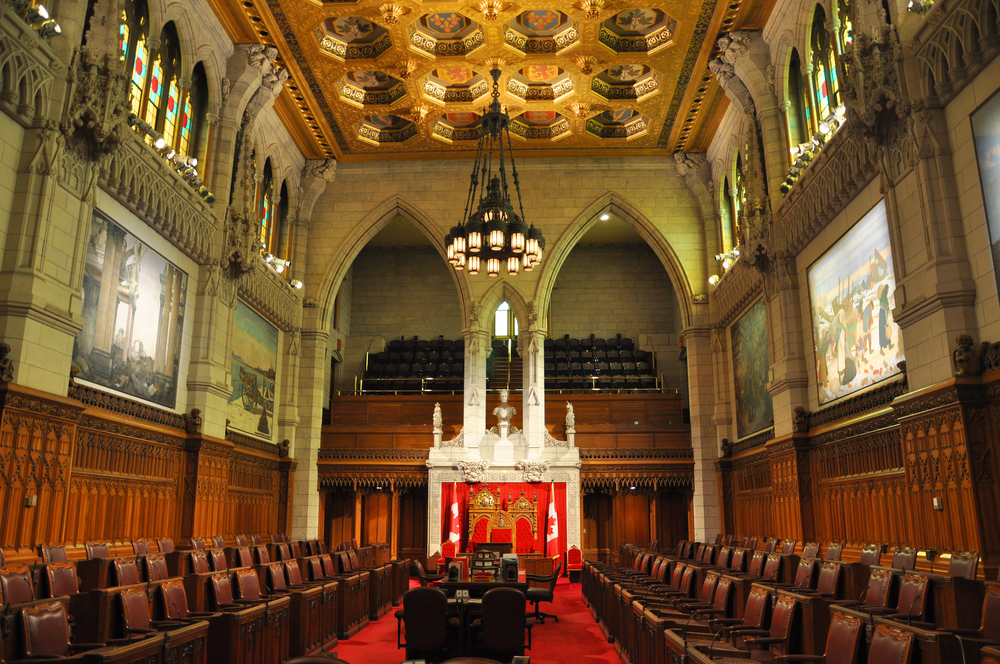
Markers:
(869, 468)
(107, 468)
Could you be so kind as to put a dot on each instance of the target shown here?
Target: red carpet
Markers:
(575, 638)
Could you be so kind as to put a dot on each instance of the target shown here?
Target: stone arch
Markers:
(187, 38)
(498, 293)
(361, 234)
(630, 214)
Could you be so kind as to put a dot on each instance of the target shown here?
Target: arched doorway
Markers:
(503, 366)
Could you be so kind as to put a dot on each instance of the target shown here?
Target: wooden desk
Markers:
(98, 612)
(934, 647)
(478, 588)
(954, 602)
(94, 574)
(815, 620)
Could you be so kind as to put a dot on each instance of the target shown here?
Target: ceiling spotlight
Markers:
(158, 141)
(296, 284)
(38, 14)
(714, 279)
(605, 216)
(279, 269)
(726, 264)
(736, 251)
(268, 258)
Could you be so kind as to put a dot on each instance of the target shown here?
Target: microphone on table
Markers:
(711, 646)
(177, 609)
(688, 623)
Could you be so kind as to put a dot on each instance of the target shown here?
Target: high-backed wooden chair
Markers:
(165, 545)
(97, 550)
(834, 550)
(156, 567)
(904, 558)
(199, 561)
(197, 543)
(871, 554)
(175, 606)
(890, 645)
(843, 642)
(46, 635)
(964, 564)
(810, 550)
(16, 586)
(61, 579)
(574, 564)
(126, 571)
(217, 560)
(51, 553)
(140, 547)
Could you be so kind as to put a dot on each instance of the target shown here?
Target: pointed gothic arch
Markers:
(500, 292)
(362, 233)
(630, 214)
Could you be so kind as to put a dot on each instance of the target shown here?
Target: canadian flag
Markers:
(552, 526)
(454, 523)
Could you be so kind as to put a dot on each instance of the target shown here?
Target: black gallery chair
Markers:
(542, 594)
(501, 629)
(424, 613)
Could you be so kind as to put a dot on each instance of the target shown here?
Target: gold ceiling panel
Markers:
(376, 80)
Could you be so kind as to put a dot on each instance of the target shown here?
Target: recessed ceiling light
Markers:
(605, 217)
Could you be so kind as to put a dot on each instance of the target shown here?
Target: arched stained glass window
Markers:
(799, 130)
(726, 210)
(140, 67)
(825, 85)
(123, 35)
(267, 211)
(132, 35)
(170, 112)
(155, 91)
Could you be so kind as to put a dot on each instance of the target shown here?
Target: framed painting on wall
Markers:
(253, 361)
(986, 136)
(751, 369)
(851, 296)
(133, 316)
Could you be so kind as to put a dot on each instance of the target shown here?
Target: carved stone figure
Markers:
(534, 471)
(438, 420)
(474, 471)
(800, 420)
(284, 448)
(193, 421)
(570, 417)
(323, 169)
(965, 359)
(504, 411)
(727, 448)
(6, 364)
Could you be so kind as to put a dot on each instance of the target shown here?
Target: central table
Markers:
(479, 588)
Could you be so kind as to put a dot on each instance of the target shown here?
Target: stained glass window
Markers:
(184, 144)
(139, 70)
(123, 35)
(846, 28)
(155, 92)
(798, 118)
(267, 210)
(822, 93)
(727, 216)
(170, 113)
(265, 220)
(826, 88)
(834, 83)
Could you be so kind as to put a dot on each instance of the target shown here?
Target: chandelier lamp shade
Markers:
(492, 235)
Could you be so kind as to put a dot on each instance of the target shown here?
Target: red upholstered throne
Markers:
(574, 563)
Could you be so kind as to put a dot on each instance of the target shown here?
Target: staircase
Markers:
(506, 374)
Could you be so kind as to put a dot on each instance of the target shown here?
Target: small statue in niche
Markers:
(283, 448)
(570, 417)
(965, 359)
(727, 448)
(438, 420)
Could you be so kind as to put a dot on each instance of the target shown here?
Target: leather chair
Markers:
(904, 558)
(248, 584)
(219, 542)
(197, 543)
(871, 554)
(890, 645)
(828, 585)
(424, 614)
(222, 594)
(16, 586)
(135, 614)
(199, 561)
(243, 556)
(45, 634)
(425, 578)
(140, 547)
(295, 548)
(843, 642)
(810, 550)
(501, 629)
(964, 564)
(788, 547)
(260, 554)
(448, 551)
(97, 550)
(834, 550)
(51, 553)
(574, 564)
(241, 540)
(778, 636)
(329, 567)
(876, 595)
(156, 567)
(911, 603)
(61, 579)
(804, 575)
(165, 545)
(217, 560)
(276, 580)
(754, 614)
(544, 594)
(282, 552)
(988, 632)
(175, 605)
(126, 571)
(755, 566)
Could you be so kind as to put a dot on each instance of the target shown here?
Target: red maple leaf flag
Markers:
(454, 523)
(552, 527)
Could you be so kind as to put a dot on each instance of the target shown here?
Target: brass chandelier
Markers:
(494, 237)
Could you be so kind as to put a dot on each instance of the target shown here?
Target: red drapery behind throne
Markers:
(509, 492)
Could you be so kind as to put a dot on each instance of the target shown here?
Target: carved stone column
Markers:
(530, 346)
(477, 347)
(701, 392)
(305, 510)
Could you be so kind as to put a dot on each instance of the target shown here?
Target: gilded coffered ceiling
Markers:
(409, 79)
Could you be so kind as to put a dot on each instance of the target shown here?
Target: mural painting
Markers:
(851, 296)
(751, 368)
(986, 135)
(133, 316)
(252, 368)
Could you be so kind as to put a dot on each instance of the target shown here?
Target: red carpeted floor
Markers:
(575, 638)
